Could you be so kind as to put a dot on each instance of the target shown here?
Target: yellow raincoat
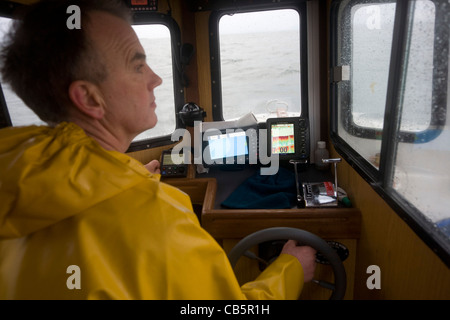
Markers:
(80, 222)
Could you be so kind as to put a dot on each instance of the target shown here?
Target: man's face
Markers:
(128, 90)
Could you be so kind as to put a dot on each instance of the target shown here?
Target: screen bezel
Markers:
(295, 121)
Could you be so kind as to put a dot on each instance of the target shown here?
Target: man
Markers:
(79, 219)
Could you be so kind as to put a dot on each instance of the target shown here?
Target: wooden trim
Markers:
(328, 223)
(331, 223)
(201, 191)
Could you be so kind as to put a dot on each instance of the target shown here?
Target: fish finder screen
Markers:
(283, 141)
(167, 159)
(227, 145)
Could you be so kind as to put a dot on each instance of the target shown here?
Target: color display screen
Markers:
(283, 141)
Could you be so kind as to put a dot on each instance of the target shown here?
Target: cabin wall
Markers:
(409, 268)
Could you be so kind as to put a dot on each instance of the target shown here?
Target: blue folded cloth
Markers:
(276, 191)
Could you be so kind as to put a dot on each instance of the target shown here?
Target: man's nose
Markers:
(155, 80)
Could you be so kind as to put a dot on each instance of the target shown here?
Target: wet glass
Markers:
(421, 169)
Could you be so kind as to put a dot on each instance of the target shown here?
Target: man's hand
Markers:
(305, 255)
(153, 166)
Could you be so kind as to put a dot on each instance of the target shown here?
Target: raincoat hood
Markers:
(27, 186)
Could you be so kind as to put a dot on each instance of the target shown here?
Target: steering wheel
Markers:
(303, 238)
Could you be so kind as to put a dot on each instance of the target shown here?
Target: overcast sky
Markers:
(264, 21)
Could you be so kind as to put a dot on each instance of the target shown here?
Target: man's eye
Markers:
(140, 67)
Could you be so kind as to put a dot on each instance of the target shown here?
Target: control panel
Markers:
(171, 169)
(303, 132)
(143, 5)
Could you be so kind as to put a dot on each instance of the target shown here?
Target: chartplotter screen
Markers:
(227, 145)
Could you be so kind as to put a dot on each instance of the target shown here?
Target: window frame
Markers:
(380, 180)
(214, 42)
(5, 118)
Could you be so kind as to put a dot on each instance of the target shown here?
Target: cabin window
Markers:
(157, 43)
(256, 64)
(158, 35)
(389, 98)
(18, 114)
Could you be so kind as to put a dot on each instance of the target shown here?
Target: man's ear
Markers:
(86, 98)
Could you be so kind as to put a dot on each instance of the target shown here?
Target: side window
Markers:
(19, 113)
(256, 64)
(157, 43)
(389, 105)
(361, 74)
